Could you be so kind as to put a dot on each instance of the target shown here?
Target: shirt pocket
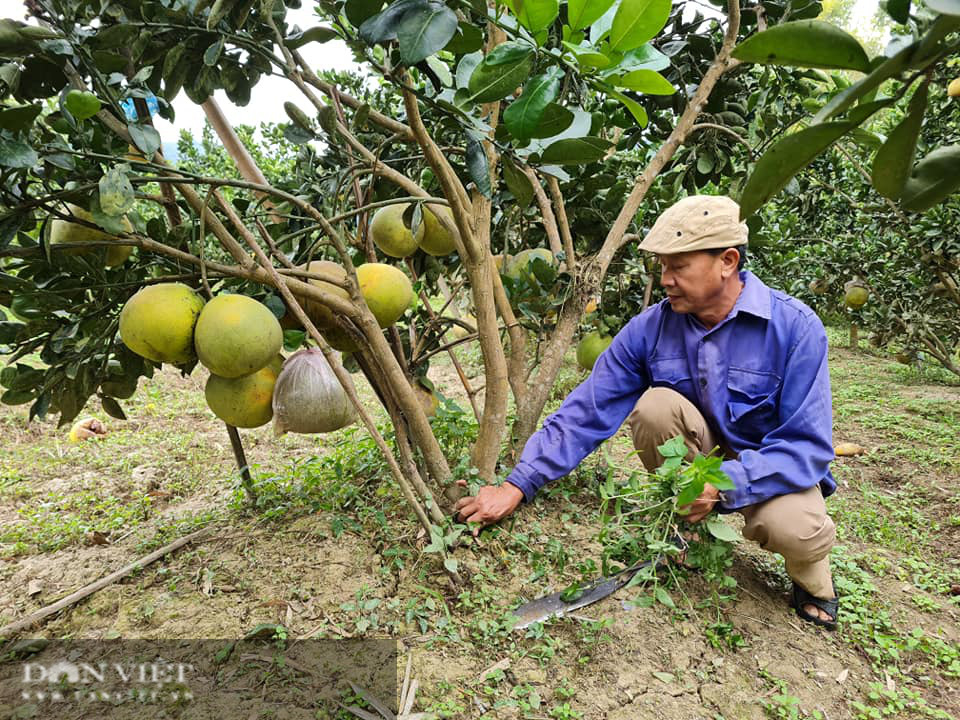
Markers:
(674, 373)
(753, 398)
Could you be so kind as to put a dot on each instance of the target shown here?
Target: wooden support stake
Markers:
(241, 457)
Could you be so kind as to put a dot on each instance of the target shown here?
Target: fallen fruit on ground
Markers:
(87, 429)
(590, 348)
(63, 232)
(158, 323)
(848, 449)
(523, 260)
(308, 397)
(386, 290)
(391, 235)
(236, 336)
(855, 294)
(437, 240)
(319, 313)
(244, 402)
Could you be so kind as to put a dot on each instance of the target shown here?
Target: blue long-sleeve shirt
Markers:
(759, 377)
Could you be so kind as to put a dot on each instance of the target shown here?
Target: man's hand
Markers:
(701, 507)
(490, 504)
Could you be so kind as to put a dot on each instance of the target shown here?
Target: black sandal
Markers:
(801, 597)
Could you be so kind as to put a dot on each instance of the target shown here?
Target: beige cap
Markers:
(698, 222)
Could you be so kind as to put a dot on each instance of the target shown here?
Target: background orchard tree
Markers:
(537, 124)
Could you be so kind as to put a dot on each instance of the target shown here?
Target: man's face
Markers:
(693, 281)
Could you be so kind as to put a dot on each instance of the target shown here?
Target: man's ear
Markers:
(730, 259)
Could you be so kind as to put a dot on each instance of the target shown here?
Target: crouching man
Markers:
(723, 361)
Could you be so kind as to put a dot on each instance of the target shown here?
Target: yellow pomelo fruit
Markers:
(459, 332)
(319, 313)
(244, 402)
(236, 336)
(520, 263)
(953, 89)
(856, 296)
(63, 232)
(429, 400)
(386, 290)
(158, 322)
(590, 348)
(391, 235)
(437, 240)
(498, 262)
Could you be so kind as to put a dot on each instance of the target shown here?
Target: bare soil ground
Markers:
(329, 551)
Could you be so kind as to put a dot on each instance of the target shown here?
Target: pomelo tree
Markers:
(536, 123)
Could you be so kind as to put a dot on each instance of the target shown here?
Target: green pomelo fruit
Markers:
(437, 240)
(856, 296)
(386, 290)
(520, 262)
(590, 348)
(158, 322)
(63, 232)
(236, 336)
(244, 402)
(391, 234)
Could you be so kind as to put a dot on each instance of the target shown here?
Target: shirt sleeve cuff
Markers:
(518, 478)
(740, 496)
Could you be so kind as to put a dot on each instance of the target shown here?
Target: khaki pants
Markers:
(795, 525)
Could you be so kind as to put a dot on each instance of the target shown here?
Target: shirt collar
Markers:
(754, 298)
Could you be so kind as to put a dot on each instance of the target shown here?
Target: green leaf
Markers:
(112, 408)
(933, 179)
(555, 120)
(16, 154)
(944, 7)
(318, 34)
(146, 138)
(635, 108)
(899, 10)
(382, 27)
(518, 183)
(424, 31)
(450, 564)
(638, 21)
(583, 13)
(524, 114)
(489, 83)
(587, 56)
(466, 66)
(359, 11)
(576, 151)
(690, 493)
(534, 15)
(721, 531)
(675, 447)
(894, 160)
(467, 39)
(477, 167)
(793, 153)
(19, 118)
(212, 53)
(646, 57)
(116, 193)
(664, 677)
(663, 597)
(649, 82)
(845, 98)
(508, 53)
(804, 43)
